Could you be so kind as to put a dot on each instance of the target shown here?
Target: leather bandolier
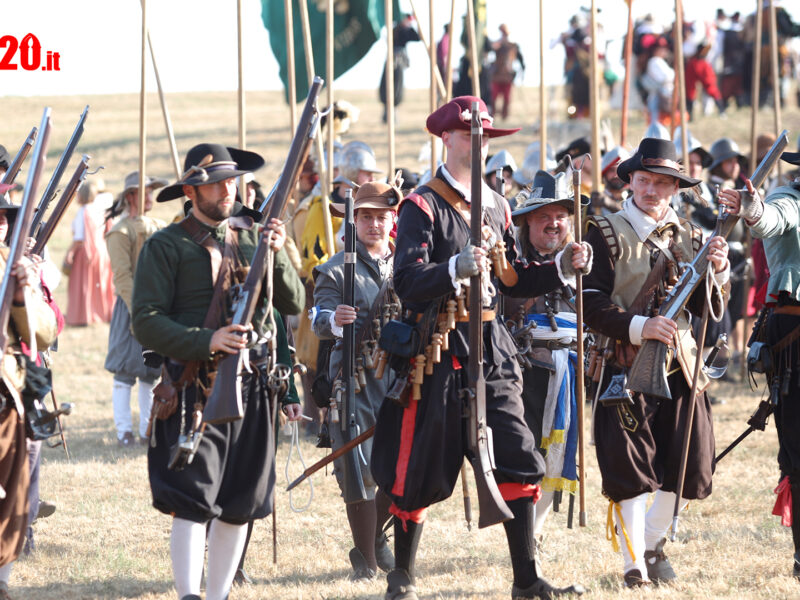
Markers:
(659, 270)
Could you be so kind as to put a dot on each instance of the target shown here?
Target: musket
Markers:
(349, 426)
(493, 508)
(13, 169)
(63, 162)
(224, 403)
(332, 457)
(19, 239)
(46, 231)
(757, 421)
(648, 374)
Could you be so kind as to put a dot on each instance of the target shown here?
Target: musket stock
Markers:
(14, 168)
(648, 371)
(220, 406)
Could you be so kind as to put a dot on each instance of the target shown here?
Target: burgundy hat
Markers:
(456, 114)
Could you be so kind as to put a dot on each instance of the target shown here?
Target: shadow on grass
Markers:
(108, 589)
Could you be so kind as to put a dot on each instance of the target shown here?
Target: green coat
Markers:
(172, 291)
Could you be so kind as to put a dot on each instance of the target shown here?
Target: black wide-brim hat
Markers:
(793, 158)
(655, 156)
(11, 209)
(211, 163)
(457, 114)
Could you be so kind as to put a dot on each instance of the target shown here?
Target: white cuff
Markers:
(451, 270)
(570, 281)
(723, 276)
(335, 329)
(635, 329)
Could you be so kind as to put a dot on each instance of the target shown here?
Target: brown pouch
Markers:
(624, 354)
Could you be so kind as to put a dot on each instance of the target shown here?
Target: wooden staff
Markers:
(473, 50)
(389, 76)
(290, 74)
(450, 45)
(434, 71)
(626, 86)
(776, 88)
(681, 68)
(755, 101)
(595, 105)
(430, 48)
(756, 87)
(242, 126)
(329, 70)
(142, 113)
(173, 148)
(579, 376)
(324, 169)
(542, 108)
(687, 432)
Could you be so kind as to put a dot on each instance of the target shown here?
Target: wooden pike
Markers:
(595, 104)
(143, 112)
(542, 94)
(626, 87)
(681, 69)
(389, 76)
(290, 74)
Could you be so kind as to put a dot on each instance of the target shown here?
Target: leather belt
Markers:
(787, 309)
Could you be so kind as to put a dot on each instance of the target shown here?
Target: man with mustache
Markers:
(544, 219)
(639, 441)
(180, 309)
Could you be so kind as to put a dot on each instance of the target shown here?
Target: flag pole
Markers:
(626, 86)
(389, 77)
(242, 126)
(776, 88)
(542, 107)
(429, 48)
(142, 113)
(449, 75)
(290, 74)
(329, 71)
(473, 50)
(173, 148)
(681, 68)
(595, 105)
(323, 168)
(434, 71)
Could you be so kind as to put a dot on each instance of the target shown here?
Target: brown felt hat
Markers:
(374, 194)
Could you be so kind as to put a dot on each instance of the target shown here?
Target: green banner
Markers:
(357, 26)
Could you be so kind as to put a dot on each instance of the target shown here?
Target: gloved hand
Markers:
(466, 266)
(746, 203)
(576, 258)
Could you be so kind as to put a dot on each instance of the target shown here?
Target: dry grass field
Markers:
(106, 541)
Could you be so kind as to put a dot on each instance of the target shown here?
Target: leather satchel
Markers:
(399, 339)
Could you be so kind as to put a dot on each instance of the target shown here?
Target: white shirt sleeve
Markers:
(78, 228)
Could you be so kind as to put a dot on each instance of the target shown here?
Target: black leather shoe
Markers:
(542, 589)
(658, 568)
(191, 597)
(383, 554)
(633, 578)
(796, 571)
(399, 586)
(361, 571)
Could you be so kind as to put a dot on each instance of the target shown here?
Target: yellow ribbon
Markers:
(611, 532)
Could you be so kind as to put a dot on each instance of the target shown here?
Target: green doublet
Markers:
(173, 289)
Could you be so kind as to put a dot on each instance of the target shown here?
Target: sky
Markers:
(194, 41)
